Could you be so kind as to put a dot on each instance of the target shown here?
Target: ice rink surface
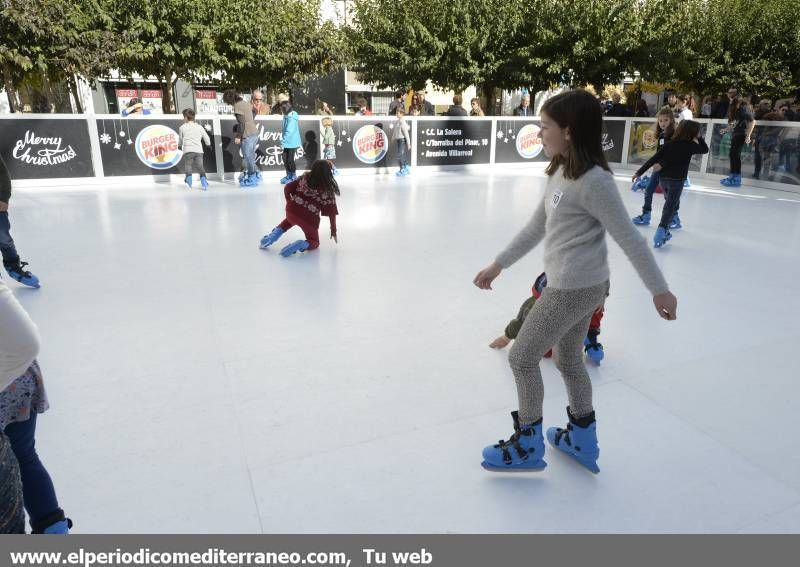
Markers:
(199, 384)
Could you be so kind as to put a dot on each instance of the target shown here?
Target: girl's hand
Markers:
(634, 178)
(500, 342)
(666, 305)
(3, 206)
(657, 167)
(485, 277)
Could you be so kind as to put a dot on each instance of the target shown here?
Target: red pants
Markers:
(309, 229)
(594, 325)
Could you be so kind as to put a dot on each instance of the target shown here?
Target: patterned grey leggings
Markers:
(560, 319)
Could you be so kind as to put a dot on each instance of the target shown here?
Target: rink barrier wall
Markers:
(68, 149)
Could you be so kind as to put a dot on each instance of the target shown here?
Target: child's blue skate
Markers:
(640, 184)
(661, 237)
(247, 180)
(188, 181)
(271, 238)
(733, 180)
(407, 170)
(642, 220)
(294, 247)
(592, 348)
(23, 276)
(578, 440)
(53, 524)
(204, 182)
(687, 183)
(335, 171)
(675, 223)
(522, 453)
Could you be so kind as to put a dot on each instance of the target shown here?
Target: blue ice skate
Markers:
(578, 440)
(523, 452)
(592, 348)
(733, 180)
(661, 237)
(204, 182)
(642, 220)
(640, 184)
(271, 238)
(675, 223)
(296, 246)
(188, 181)
(23, 276)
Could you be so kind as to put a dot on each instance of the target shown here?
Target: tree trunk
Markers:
(73, 85)
(488, 95)
(166, 91)
(11, 92)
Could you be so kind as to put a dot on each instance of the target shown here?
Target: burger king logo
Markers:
(529, 141)
(370, 144)
(157, 147)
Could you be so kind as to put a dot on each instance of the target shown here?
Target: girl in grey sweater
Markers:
(580, 204)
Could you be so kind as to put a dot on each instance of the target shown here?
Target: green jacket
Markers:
(328, 137)
(516, 324)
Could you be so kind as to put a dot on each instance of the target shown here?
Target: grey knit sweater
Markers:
(573, 218)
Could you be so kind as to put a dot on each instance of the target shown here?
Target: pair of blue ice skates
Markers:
(524, 451)
(203, 182)
(404, 170)
(293, 248)
(733, 180)
(249, 179)
(288, 178)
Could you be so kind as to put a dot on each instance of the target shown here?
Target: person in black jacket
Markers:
(524, 108)
(617, 108)
(456, 109)
(672, 162)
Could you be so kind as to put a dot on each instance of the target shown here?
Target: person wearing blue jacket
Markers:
(290, 139)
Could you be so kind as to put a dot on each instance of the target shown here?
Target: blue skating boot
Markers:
(54, 524)
(661, 237)
(642, 220)
(286, 179)
(296, 246)
(292, 176)
(23, 276)
(578, 440)
(733, 180)
(258, 176)
(640, 184)
(204, 182)
(522, 453)
(244, 180)
(592, 348)
(675, 223)
(335, 171)
(271, 238)
(687, 183)
(407, 170)
(188, 181)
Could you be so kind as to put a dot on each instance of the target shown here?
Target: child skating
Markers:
(580, 203)
(307, 198)
(672, 164)
(664, 130)
(192, 136)
(290, 138)
(329, 143)
(402, 139)
(593, 349)
(11, 260)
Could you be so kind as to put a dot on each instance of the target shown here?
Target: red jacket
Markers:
(308, 203)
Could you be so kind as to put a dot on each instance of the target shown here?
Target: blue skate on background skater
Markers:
(592, 348)
(640, 184)
(23, 276)
(578, 440)
(522, 453)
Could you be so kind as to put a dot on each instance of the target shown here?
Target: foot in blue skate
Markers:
(593, 349)
(675, 223)
(23, 276)
(188, 181)
(733, 180)
(246, 180)
(640, 184)
(578, 440)
(271, 238)
(687, 183)
(286, 179)
(204, 182)
(661, 237)
(642, 220)
(335, 172)
(296, 246)
(523, 452)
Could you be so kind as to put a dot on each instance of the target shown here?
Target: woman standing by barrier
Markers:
(740, 123)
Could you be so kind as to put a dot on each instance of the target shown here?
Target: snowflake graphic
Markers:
(510, 130)
(117, 146)
(105, 138)
(344, 132)
(207, 127)
(339, 143)
(348, 139)
(122, 133)
(130, 141)
(500, 135)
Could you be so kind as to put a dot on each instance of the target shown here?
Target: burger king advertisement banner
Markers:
(518, 141)
(365, 143)
(142, 146)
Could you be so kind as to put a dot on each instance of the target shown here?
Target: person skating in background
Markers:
(402, 139)
(672, 163)
(307, 198)
(329, 143)
(246, 136)
(398, 102)
(191, 137)
(290, 138)
(11, 261)
(664, 128)
(740, 123)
